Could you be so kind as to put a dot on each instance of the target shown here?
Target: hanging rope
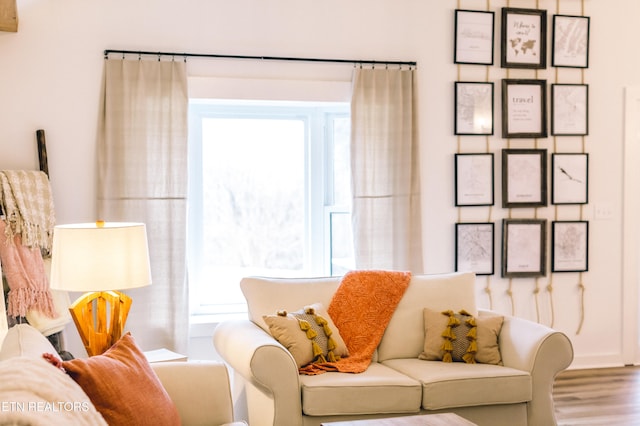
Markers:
(487, 290)
(550, 292)
(459, 140)
(555, 210)
(582, 307)
(510, 294)
(536, 291)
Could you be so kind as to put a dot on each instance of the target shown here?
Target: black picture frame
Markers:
(524, 248)
(569, 109)
(524, 178)
(570, 41)
(570, 246)
(474, 108)
(475, 247)
(474, 37)
(474, 179)
(523, 38)
(524, 108)
(569, 178)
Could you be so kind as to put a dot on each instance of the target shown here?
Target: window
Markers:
(269, 194)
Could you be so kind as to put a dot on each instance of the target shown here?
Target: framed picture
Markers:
(570, 246)
(474, 179)
(524, 108)
(474, 37)
(524, 38)
(473, 108)
(570, 41)
(569, 109)
(524, 178)
(569, 178)
(475, 247)
(523, 247)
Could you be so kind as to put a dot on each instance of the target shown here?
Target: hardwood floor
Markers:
(607, 396)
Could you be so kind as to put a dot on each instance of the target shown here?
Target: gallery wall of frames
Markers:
(538, 107)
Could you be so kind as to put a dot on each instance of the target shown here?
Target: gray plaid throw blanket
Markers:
(27, 204)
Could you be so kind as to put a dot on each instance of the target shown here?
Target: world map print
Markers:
(523, 35)
(523, 47)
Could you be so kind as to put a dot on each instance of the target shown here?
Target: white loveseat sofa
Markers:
(397, 382)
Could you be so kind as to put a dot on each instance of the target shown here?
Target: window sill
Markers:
(203, 325)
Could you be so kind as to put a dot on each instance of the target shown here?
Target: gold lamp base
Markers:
(98, 327)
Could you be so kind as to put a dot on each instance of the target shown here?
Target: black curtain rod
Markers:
(262, 58)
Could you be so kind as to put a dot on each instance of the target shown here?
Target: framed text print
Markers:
(524, 38)
(524, 108)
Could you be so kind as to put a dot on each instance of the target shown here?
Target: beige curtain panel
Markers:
(142, 163)
(385, 171)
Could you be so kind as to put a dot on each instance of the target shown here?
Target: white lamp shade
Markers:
(91, 257)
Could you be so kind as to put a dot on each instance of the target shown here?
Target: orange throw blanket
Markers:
(361, 308)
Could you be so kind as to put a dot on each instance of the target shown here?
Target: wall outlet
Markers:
(602, 212)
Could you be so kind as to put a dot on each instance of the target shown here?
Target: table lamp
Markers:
(100, 259)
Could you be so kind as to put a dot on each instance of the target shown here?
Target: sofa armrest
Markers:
(266, 365)
(543, 352)
(199, 389)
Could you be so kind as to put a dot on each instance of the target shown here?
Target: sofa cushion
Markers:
(292, 294)
(123, 387)
(35, 387)
(404, 337)
(286, 328)
(487, 330)
(450, 385)
(22, 340)
(379, 389)
(37, 393)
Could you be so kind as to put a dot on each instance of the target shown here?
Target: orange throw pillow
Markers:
(123, 387)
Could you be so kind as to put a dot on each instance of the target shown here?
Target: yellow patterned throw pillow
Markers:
(309, 335)
(461, 337)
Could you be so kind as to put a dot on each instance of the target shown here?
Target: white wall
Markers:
(51, 76)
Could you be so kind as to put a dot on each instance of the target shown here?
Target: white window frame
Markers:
(318, 186)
